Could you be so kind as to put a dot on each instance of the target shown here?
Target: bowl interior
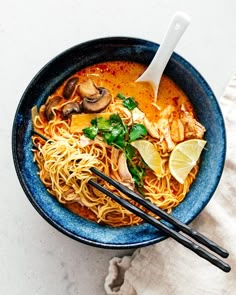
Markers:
(89, 53)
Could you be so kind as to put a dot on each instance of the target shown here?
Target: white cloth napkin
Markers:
(168, 267)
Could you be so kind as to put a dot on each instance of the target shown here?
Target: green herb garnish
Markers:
(91, 132)
(114, 132)
(137, 173)
(137, 132)
(103, 124)
(128, 102)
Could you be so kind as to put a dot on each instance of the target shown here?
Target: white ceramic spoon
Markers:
(153, 73)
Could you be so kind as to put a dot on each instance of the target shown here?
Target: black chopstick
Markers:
(183, 227)
(169, 231)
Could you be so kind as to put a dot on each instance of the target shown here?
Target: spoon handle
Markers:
(177, 27)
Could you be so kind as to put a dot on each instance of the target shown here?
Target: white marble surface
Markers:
(34, 257)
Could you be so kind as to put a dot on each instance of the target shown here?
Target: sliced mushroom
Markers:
(50, 104)
(70, 87)
(88, 89)
(71, 108)
(95, 99)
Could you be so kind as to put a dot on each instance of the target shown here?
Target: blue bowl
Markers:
(75, 59)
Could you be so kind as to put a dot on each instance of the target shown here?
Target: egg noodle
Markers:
(64, 163)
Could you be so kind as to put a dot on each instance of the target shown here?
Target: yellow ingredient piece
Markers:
(184, 157)
(149, 154)
(81, 121)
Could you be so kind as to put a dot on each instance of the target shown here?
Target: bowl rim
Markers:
(24, 184)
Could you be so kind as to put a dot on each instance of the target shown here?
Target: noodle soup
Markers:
(100, 117)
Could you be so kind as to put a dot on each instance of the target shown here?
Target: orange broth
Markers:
(120, 77)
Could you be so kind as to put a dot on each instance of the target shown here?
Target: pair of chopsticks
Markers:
(182, 239)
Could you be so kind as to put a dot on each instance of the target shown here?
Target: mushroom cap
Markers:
(88, 89)
(98, 104)
(50, 105)
(70, 87)
(95, 99)
(71, 108)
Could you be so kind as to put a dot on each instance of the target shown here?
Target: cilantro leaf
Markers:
(115, 118)
(114, 132)
(112, 135)
(107, 137)
(129, 151)
(129, 102)
(94, 122)
(91, 132)
(137, 173)
(103, 124)
(120, 141)
(121, 96)
(137, 132)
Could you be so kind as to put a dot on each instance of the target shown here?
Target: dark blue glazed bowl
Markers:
(89, 53)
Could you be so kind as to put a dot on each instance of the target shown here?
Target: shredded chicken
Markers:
(124, 173)
(84, 141)
(137, 115)
(114, 157)
(160, 129)
(172, 126)
(152, 128)
(192, 128)
(177, 130)
(164, 129)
